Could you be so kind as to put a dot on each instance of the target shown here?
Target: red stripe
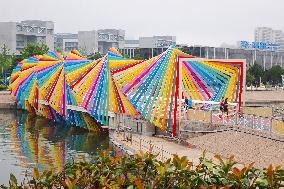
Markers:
(175, 103)
(241, 87)
(119, 99)
(94, 87)
(80, 79)
(53, 87)
(138, 78)
(125, 68)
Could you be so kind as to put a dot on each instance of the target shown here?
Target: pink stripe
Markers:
(16, 91)
(90, 92)
(127, 88)
(198, 81)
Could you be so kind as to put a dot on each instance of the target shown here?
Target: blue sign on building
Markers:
(259, 45)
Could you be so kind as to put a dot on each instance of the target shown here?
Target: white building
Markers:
(16, 35)
(157, 41)
(65, 42)
(88, 41)
(129, 47)
(151, 46)
(268, 35)
(101, 40)
(108, 38)
(263, 34)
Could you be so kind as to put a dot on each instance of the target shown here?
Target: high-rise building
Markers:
(16, 35)
(65, 42)
(278, 36)
(263, 34)
(268, 35)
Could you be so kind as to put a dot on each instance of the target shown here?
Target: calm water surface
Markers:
(28, 141)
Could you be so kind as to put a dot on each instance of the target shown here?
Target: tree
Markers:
(34, 49)
(83, 51)
(95, 56)
(6, 60)
(59, 50)
(126, 56)
(257, 72)
(138, 55)
(273, 75)
(250, 78)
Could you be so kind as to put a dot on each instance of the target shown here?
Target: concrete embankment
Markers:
(6, 100)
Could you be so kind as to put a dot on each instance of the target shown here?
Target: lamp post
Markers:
(282, 80)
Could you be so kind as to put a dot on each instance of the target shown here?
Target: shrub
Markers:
(145, 171)
(2, 87)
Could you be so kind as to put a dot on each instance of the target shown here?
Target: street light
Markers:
(282, 80)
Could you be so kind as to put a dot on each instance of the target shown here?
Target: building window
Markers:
(19, 28)
(49, 31)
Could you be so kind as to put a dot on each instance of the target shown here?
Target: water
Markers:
(28, 141)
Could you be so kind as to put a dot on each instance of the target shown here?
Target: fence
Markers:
(266, 122)
(266, 126)
(141, 144)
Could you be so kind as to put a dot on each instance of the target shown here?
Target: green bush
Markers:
(2, 87)
(145, 171)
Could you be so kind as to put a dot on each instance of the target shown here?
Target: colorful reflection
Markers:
(39, 142)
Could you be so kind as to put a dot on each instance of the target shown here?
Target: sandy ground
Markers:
(246, 148)
(265, 95)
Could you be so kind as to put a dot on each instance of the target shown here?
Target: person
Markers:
(222, 106)
(226, 107)
(189, 103)
(186, 102)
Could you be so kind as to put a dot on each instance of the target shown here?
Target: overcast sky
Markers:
(199, 22)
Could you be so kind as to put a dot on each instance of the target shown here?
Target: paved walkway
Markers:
(246, 148)
(160, 146)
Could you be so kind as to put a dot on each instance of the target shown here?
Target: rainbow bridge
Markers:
(84, 92)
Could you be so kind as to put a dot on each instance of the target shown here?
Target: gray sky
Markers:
(204, 22)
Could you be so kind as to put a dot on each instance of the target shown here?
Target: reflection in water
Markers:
(27, 141)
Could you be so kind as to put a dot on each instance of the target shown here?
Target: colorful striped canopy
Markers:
(74, 88)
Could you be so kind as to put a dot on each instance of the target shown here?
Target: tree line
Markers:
(257, 75)
(9, 60)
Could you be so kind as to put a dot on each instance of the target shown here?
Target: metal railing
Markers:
(141, 144)
(199, 118)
